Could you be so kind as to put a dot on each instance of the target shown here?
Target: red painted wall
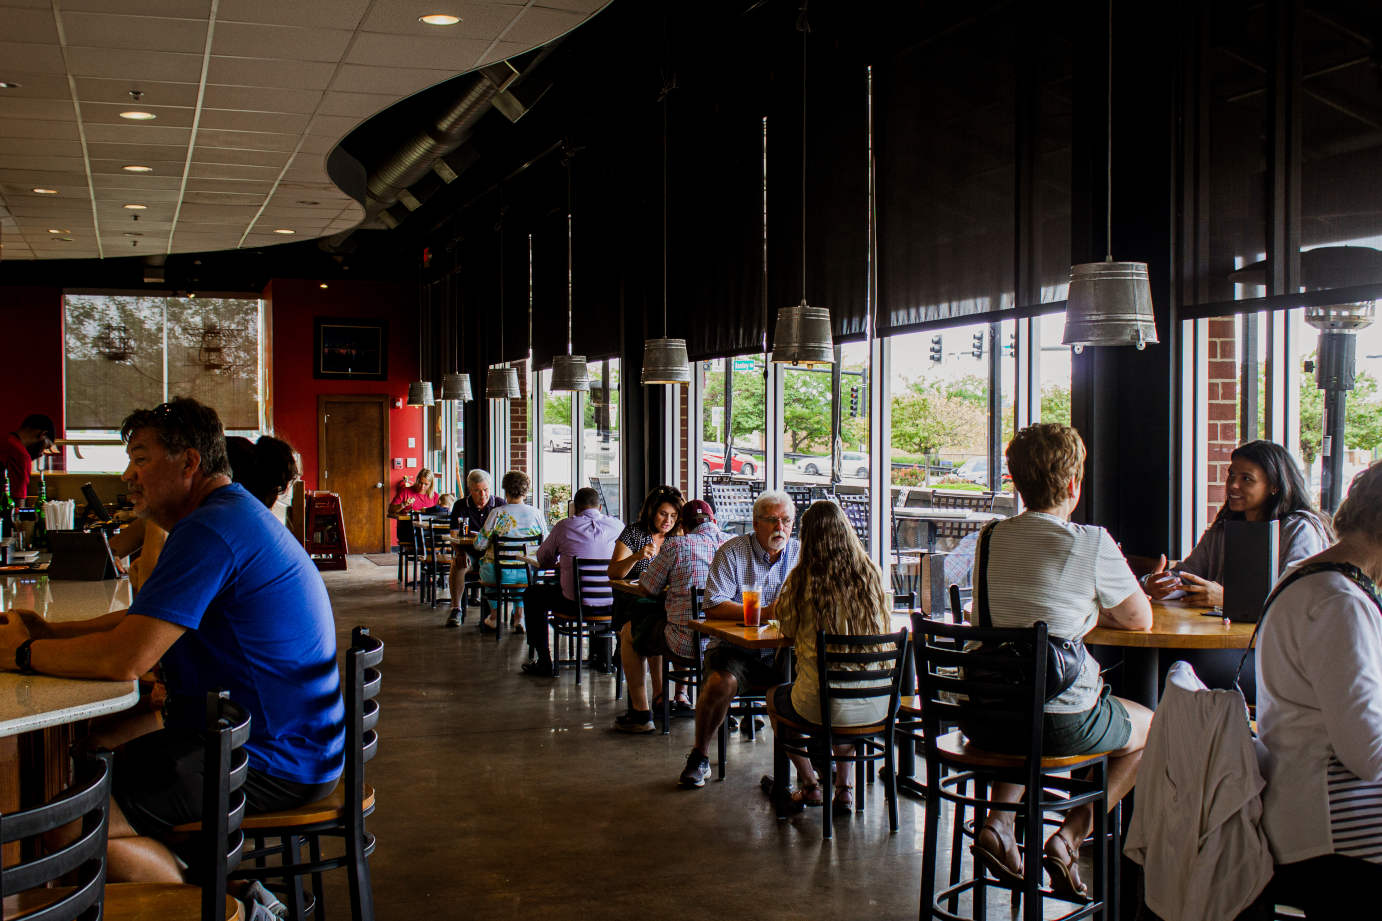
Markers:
(294, 304)
(33, 360)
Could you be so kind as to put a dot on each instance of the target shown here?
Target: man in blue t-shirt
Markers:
(234, 603)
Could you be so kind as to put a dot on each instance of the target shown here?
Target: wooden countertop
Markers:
(1177, 625)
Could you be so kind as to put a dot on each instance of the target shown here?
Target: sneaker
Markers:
(635, 721)
(455, 619)
(696, 771)
(542, 668)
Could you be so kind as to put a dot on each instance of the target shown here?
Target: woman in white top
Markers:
(1264, 484)
(1041, 567)
(1319, 713)
(834, 587)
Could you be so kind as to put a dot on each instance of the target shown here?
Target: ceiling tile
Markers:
(257, 187)
(175, 9)
(230, 171)
(262, 72)
(69, 185)
(43, 147)
(30, 25)
(396, 81)
(117, 92)
(109, 179)
(293, 43)
(338, 14)
(109, 189)
(34, 86)
(273, 158)
(333, 126)
(479, 21)
(213, 213)
(39, 128)
(159, 156)
(35, 58)
(105, 113)
(31, 206)
(245, 139)
(263, 99)
(136, 66)
(318, 146)
(582, 6)
(49, 109)
(230, 120)
(132, 133)
(454, 54)
(538, 26)
(136, 33)
(356, 105)
(72, 164)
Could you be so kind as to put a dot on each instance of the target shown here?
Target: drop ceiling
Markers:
(250, 97)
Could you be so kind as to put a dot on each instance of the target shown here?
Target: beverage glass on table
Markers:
(752, 612)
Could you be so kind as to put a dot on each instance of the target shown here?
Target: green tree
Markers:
(1362, 417)
(1055, 404)
(806, 410)
(750, 410)
(929, 417)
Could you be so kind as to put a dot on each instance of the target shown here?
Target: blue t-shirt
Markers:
(259, 625)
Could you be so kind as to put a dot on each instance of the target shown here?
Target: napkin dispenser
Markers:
(1251, 551)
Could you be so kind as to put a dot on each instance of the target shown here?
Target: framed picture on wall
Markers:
(351, 349)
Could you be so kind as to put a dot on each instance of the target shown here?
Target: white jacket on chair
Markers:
(1197, 823)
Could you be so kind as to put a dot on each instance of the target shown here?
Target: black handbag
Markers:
(1064, 657)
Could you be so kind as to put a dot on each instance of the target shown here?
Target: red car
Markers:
(713, 460)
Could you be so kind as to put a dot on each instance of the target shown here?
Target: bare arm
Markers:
(123, 653)
(725, 610)
(1132, 613)
(41, 629)
(128, 539)
(621, 560)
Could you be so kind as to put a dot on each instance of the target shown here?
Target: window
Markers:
(557, 459)
(737, 415)
(600, 434)
(126, 352)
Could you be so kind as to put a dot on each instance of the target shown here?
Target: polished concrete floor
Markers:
(506, 797)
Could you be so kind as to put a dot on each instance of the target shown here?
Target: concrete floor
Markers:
(506, 797)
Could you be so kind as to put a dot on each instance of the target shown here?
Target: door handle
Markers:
(378, 485)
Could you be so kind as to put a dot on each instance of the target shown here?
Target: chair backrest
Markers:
(415, 532)
(957, 528)
(696, 595)
(509, 553)
(974, 501)
(861, 667)
(87, 801)
(963, 673)
(362, 683)
(801, 498)
(856, 509)
(592, 581)
(223, 801)
(904, 601)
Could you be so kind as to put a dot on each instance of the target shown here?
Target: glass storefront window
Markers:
(600, 434)
(742, 409)
(555, 444)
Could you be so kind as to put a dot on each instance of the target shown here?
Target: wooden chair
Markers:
(589, 621)
(508, 562)
(219, 842)
(877, 665)
(955, 665)
(342, 814)
(24, 887)
(677, 670)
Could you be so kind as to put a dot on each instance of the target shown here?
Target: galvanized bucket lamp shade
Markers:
(456, 386)
(802, 336)
(1110, 303)
(665, 362)
(420, 394)
(569, 372)
(502, 384)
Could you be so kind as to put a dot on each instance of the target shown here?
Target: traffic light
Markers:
(936, 354)
(854, 400)
(977, 346)
(1011, 347)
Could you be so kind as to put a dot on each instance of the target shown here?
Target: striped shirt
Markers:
(682, 564)
(1043, 568)
(740, 563)
(1355, 814)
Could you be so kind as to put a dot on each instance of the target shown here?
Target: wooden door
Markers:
(353, 461)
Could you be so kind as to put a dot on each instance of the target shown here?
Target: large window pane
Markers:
(1055, 369)
(741, 410)
(557, 458)
(600, 434)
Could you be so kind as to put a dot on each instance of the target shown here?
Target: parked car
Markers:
(852, 463)
(713, 461)
(976, 470)
(556, 437)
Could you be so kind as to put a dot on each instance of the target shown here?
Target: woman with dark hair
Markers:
(266, 468)
(640, 541)
(1264, 484)
(834, 587)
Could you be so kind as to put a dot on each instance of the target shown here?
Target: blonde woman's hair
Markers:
(834, 584)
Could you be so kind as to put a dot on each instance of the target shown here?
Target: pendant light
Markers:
(501, 383)
(802, 333)
(569, 371)
(1110, 303)
(456, 386)
(664, 360)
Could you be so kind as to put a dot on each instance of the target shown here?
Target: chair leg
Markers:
(859, 776)
(297, 904)
(825, 776)
(618, 670)
(666, 697)
(580, 634)
(723, 741)
(361, 886)
(890, 782)
(957, 828)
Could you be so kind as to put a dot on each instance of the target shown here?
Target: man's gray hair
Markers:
(479, 476)
(772, 498)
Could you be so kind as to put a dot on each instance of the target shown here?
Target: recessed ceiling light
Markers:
(8, 85)
(133, 233)
(137, 169)
(136, 207)
(439, 19)
(55, 230)
(45, 191)
(305, 201)
(284, 230)
(138, 116)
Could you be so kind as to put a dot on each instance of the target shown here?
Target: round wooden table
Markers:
(1175, 625)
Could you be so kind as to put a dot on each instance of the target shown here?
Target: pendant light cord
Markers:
(804, 27)
(570, 260)
(669, 84)
(500, 228)
(1108, 153)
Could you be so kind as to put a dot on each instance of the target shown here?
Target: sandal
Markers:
(809, 796)
(994, 853)
(843, 800)
(1060, 859)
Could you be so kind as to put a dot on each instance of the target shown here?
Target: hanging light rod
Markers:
(665, 360)
(569, 371)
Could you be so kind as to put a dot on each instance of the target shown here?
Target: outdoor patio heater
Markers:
(1335, 366)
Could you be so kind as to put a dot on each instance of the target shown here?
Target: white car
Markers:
(852, 464)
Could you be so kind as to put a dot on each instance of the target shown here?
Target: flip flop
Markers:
(1065, 878)
(989, 849)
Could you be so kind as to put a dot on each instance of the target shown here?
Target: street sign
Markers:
(747, 363)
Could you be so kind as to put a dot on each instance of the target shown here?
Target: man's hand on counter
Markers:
(12, 634)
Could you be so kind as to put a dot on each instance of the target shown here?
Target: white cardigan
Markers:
(1319, 694)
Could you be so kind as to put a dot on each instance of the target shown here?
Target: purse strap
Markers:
(1347, 570)
(981, 568)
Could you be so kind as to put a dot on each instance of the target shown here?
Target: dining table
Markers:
(1176, 625)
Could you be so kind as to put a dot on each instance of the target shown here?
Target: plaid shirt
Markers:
(682, 564)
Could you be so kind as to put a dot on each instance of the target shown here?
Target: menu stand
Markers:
(326, 537)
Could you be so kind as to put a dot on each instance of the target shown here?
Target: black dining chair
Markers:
(512, 576)
(589, 621)
(679, 670)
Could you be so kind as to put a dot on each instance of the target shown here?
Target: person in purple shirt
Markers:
(588, 534)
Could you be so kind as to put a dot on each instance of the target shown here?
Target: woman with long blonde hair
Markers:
(834, 587)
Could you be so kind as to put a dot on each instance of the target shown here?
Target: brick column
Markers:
(1221, 408)
(518, 424)
(684, 461)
